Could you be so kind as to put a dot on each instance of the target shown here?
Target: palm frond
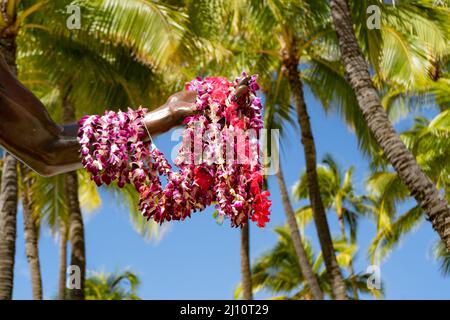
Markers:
(442, 255)
(387, 238)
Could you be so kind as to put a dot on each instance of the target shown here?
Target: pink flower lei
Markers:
(219, 161)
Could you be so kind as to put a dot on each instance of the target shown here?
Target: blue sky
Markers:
(199, 259)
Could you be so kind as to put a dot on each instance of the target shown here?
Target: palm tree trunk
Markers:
(247, 292)
(356, 67)
(8, 194)
(62, 261)
(76, 232)
(350, 267)
(31, 234)
(290, 60)
(303, 261)
(8, 213)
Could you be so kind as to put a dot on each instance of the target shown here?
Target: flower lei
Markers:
(218, 162)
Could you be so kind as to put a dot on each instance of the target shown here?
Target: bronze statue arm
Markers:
(28, 132)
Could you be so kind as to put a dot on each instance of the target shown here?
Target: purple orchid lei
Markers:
(219, 162)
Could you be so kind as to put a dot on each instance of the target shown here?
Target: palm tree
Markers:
(297, 241)
(31, 231)
(10, 24)
(277, 115)
(112, 286)
(48, 193)
(387, 191)
(63, 234)
(76, 232)
(338, 194)
(109, 60)
(428, 142)
(231, 36)
(52, 211)
(9, 188)
(247, 45)
(8, 210)
(277, 270)
(291, 62)
(291, 57)
(420, 186)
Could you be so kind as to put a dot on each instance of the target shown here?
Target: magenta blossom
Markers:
(215, 168)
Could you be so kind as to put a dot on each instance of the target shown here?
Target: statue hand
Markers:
(182, 105)
(179, 106)
(171, 114)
